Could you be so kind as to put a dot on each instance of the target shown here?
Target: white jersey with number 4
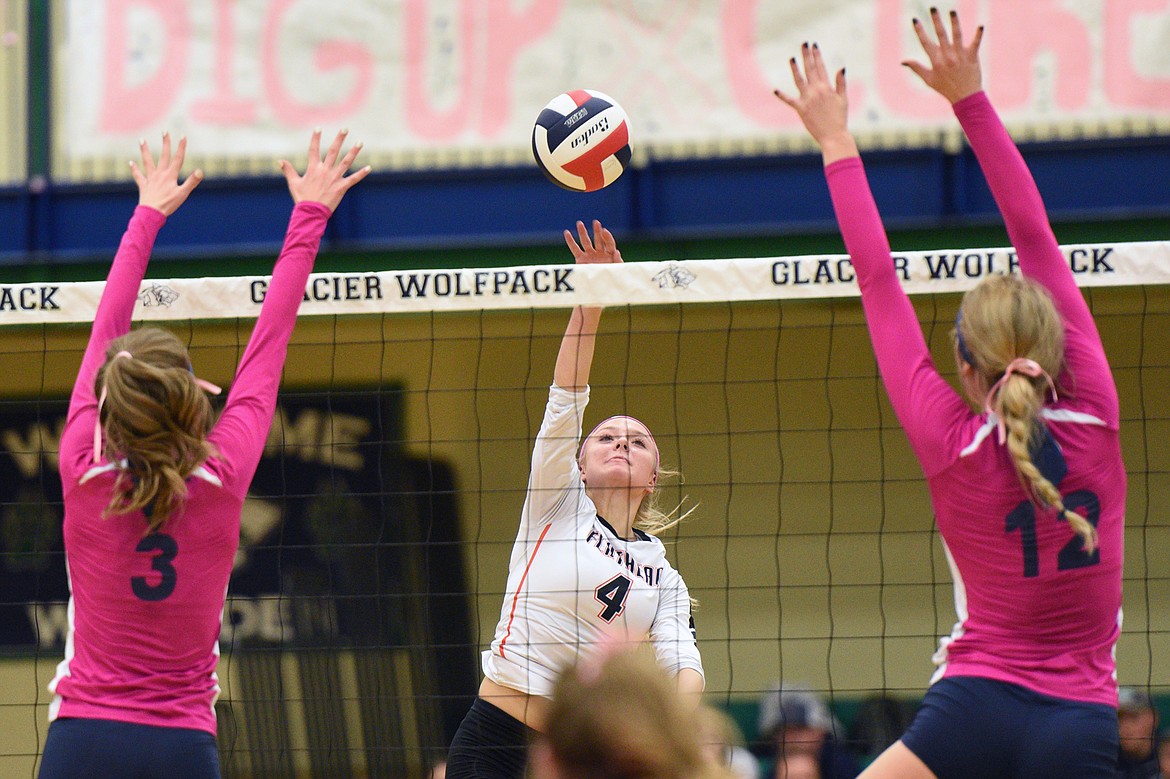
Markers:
(574, 584)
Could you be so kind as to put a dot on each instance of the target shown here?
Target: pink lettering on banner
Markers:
(1123, 85)
(507, 33)
(131, 109)
(1021, 31)
(656, 61)
(750, 88)
(423, 119)
(328, 56)
(902, 92)
(224, 107)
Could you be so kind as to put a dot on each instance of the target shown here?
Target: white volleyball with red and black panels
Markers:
(581, 140)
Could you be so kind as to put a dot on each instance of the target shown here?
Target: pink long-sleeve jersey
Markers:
(145, 608)
(1033, 608)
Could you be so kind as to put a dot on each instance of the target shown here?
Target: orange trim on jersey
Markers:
(520, 587)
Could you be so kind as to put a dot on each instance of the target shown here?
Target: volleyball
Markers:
(581, 140)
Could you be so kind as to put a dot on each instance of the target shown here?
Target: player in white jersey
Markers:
(585, 570)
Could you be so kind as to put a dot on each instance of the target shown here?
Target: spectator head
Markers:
(620, 716)
(1137, 722)
(795, 720)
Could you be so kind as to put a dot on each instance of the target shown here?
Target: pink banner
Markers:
(449, 81)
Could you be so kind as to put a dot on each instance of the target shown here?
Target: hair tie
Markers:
(1023, 366)
(203, 384)
(964, 352)
(206, 386)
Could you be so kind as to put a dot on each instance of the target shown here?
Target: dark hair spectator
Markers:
(796, 720)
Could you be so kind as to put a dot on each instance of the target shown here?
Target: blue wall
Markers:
(714, 198)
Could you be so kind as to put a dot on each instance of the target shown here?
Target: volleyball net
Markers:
(375, 542)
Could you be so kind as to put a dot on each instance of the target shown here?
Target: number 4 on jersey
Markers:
(612, 595)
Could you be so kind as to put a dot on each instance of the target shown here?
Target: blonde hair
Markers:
(719, 735)
(621, 717)
(717, 726)
(1002, 319)
(157, 418)
(651, 518)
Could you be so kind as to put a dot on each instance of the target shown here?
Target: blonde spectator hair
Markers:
(621, 717)
(1002, 321)
(156, 417)
(719, 736)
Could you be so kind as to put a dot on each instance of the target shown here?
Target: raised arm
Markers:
(576, 353)
(242, 429)
(955, 73)
(923, 401)
(554, 455)
(575, 357)
(159, 195)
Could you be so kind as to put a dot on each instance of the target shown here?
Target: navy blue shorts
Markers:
(490, 744)
(975, 728)
(80, 748)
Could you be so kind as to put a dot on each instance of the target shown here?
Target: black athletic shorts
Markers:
(970, 727)
(489, 744)
(77, 748)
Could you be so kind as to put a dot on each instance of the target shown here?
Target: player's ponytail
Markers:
(1017, 403)
(155, 416)
(1010, 332)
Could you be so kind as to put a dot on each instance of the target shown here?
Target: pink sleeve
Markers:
(111, 321)
(926, 405)
(242, 430)
(1087, 376)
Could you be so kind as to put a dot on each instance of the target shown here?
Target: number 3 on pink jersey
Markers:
(167, 549)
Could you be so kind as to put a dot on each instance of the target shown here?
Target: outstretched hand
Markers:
(324, 181)
(158, 184)
(954, 70)
(602, 249)
(821, 104)
(575, 357)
